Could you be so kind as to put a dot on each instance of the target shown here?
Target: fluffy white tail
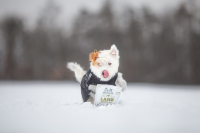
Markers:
(78, 70)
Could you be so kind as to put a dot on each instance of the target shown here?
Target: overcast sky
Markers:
(30, 9)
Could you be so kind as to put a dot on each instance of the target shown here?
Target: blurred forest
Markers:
(153, 48)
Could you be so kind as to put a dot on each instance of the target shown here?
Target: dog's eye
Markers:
(99, 64)
(109, 63)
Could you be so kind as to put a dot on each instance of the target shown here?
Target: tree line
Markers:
(153, 48)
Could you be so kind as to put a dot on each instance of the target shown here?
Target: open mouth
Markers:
(105, 73)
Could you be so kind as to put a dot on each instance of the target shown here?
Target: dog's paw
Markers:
(92, 88)
(92, 95)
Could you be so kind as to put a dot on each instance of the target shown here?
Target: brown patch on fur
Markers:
(93, 57)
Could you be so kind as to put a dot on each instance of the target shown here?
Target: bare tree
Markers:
(11, 28)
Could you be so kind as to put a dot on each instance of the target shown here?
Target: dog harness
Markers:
(91, 79)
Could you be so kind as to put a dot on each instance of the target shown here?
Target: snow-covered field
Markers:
(55, 107)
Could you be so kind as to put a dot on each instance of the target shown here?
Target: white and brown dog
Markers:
(103, 70)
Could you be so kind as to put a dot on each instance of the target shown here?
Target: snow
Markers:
(55, 107)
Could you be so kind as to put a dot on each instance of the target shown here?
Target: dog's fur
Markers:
(100, 61)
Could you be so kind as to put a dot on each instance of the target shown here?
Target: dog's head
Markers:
(104, 64)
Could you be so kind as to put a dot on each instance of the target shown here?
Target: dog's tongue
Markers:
(106, 74)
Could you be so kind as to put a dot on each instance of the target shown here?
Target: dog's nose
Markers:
(105, 73)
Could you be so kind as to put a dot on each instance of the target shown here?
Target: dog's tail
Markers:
(78, 70)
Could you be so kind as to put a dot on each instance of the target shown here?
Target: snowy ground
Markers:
(45, 107)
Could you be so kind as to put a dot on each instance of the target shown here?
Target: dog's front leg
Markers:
(92, 88)
(121, 82)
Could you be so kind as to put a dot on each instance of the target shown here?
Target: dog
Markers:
(103, 70)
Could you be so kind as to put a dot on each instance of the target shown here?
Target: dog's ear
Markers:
(114, 51)
(93, 56)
